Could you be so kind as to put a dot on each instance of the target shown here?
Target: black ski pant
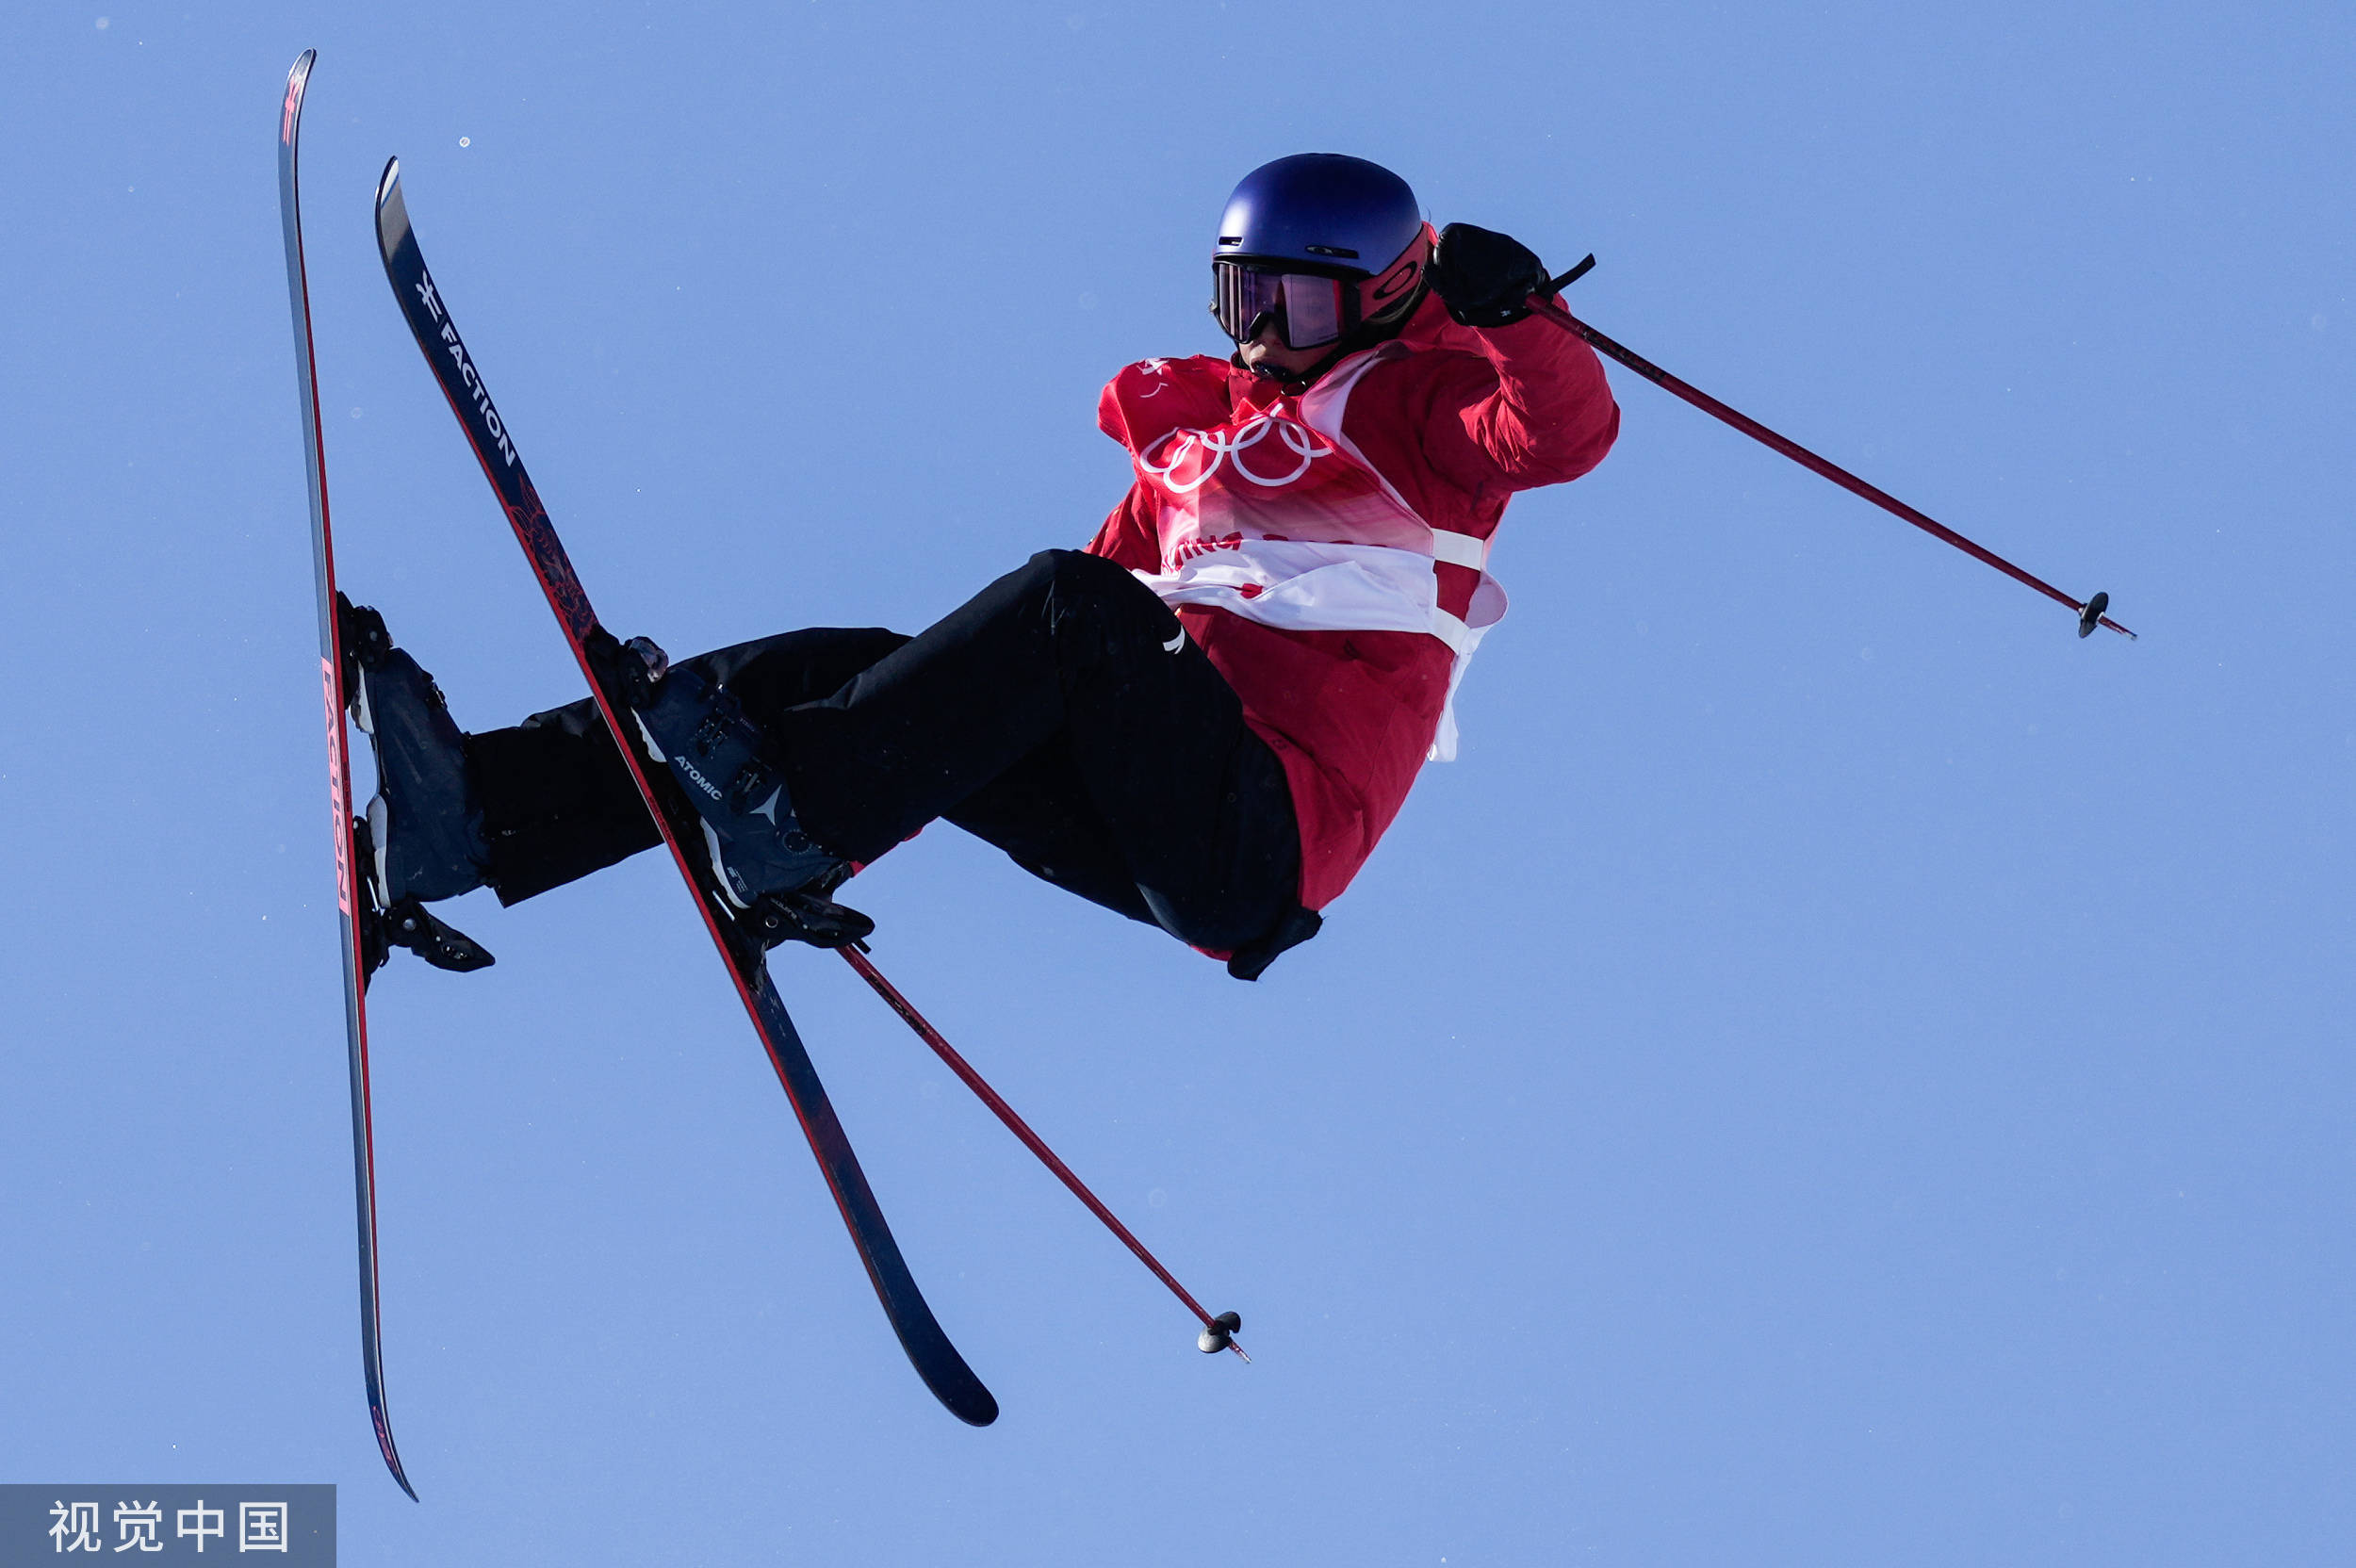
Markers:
(1060, 714)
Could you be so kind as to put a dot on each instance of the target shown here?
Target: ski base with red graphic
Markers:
(928, 1348)
(362, 927)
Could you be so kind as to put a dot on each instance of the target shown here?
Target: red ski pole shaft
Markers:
(1020, 1128)
(2089, 611)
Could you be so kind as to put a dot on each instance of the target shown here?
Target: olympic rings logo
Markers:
(1299, 438)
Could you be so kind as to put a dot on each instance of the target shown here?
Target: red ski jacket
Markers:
(1298, 535)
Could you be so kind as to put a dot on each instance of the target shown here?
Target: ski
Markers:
(351, 899)
(929, 1348)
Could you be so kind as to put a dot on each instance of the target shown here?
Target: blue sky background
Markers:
(1839, 1072)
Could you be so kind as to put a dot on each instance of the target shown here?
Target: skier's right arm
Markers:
(1144, 403)
(1128, 536)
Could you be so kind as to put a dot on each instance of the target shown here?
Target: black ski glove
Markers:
(1483, 277)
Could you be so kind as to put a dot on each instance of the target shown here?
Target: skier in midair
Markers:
(1203, 720)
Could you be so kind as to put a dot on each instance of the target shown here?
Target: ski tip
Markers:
(960, 1393)
(290, 108)
(392, 1456)
(2090, 614)
(937, 1362)
(392, 213)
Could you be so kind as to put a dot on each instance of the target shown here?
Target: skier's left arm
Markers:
(1544, 413)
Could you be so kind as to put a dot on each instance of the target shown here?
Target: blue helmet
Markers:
(1296, 228)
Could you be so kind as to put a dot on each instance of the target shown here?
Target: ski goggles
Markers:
(1309, 310)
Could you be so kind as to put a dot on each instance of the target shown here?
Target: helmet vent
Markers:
(1231, 239)
(1342, 251)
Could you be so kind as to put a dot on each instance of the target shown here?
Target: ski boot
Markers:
(773, 875)
(407, 923)
(423, 836)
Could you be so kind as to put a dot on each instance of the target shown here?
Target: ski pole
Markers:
(1219, 1333)
(2089, 613)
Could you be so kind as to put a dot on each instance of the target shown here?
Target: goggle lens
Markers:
(1312, 310)
(1307, 309)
